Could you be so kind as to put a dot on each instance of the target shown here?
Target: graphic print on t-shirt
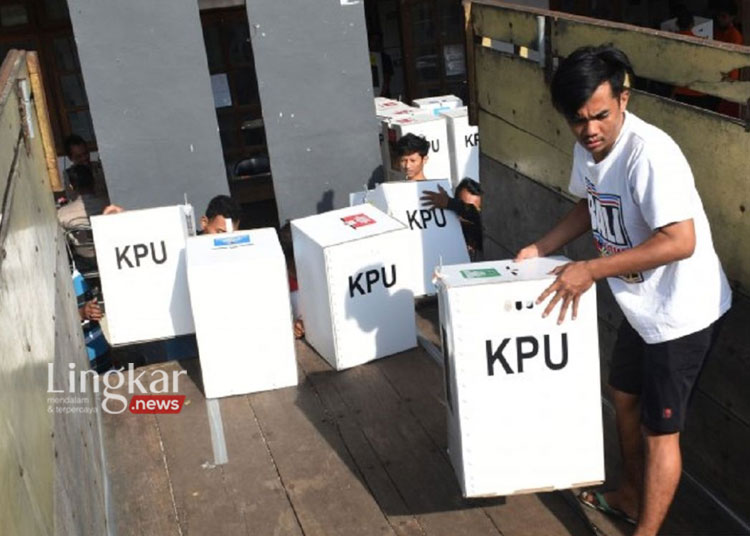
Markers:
(607, 224)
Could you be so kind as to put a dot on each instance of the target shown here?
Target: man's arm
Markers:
(574, 224)
(667, 244)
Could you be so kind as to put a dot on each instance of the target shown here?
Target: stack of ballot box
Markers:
(141, 260)
(385, 109)
(439, 104)
(239, 292)
(523, 393)
(354, 271)
(435, 233)
(426, 125)
(463, 141)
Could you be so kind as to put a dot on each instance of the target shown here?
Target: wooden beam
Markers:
(42, 115)
(470, 64)
(666, 57)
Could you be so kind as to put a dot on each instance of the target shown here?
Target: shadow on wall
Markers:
(326, 202)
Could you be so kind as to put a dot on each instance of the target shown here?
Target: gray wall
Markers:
(313, 69)
(146, 75)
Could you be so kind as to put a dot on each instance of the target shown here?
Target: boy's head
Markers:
(81, 179)
(77, 150)
(591, 89)
(220, 209)
(412, 155)
(685, 20)
(470, 192)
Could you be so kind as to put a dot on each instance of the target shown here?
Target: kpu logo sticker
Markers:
(355, 221)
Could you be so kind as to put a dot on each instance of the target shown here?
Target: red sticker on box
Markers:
(357, 220)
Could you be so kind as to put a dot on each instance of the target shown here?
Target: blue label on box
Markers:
(240, 240)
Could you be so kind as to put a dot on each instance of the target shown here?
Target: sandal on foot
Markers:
(596, 500)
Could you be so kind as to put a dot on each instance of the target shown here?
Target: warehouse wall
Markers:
(525, 169)
(50, 463)
(146, 75)
(313, 69)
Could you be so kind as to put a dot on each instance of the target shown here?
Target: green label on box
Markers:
(479, 273)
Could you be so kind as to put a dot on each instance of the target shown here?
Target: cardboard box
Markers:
(432, 128)
(353, 270)
(703, 27)
(440, 104)
(523, 394)
(435, 233)
(141, 258)
(463, 140)
(239, 293)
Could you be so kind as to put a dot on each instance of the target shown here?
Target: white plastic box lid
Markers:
(347, 224)
(456, 113)
(498, 272)
(232, 247)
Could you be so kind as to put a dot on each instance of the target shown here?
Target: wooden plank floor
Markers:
(359, 452)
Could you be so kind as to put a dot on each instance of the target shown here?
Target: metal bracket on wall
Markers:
(8, 196)
(26, 109)
(746, 115)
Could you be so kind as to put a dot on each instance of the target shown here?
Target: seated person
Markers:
(412, 152)
(78, 153)
(285, 237)
(222, 216)
(467, 204)
(74, 216)
(90, 313)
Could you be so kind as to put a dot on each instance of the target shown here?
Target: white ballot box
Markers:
(141, 259)
(432, 128)
(353, 268)
(239, 292)
(703, 27)
(435, 232)
(523, 393)
(439, 104)
(463, 141)
(385, 107)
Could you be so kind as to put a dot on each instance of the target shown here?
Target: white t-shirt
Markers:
(643, 184)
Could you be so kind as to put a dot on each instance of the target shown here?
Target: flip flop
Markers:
(600, 503)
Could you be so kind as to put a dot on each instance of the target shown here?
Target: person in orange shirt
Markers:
(685, 23)
(728, 33)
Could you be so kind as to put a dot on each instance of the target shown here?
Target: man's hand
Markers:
(573, 279)
(112, 209)
(91, 311)
(437, 199)
(529, 252)
(299, 328)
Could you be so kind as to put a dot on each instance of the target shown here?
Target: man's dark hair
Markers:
(223, 205)
(470, 185)
(81, 178)
(685, 20)
(583, 71)
(410, 144)
(726, 6)
(70, 141)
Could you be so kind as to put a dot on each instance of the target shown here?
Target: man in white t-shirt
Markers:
(648, 223)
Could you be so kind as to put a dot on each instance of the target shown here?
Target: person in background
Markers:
(412, 152)
(685, 24)
(467, 204)
(77, 151)
(221, 212)
(287, 246)
(726, 32)
(90, 313)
